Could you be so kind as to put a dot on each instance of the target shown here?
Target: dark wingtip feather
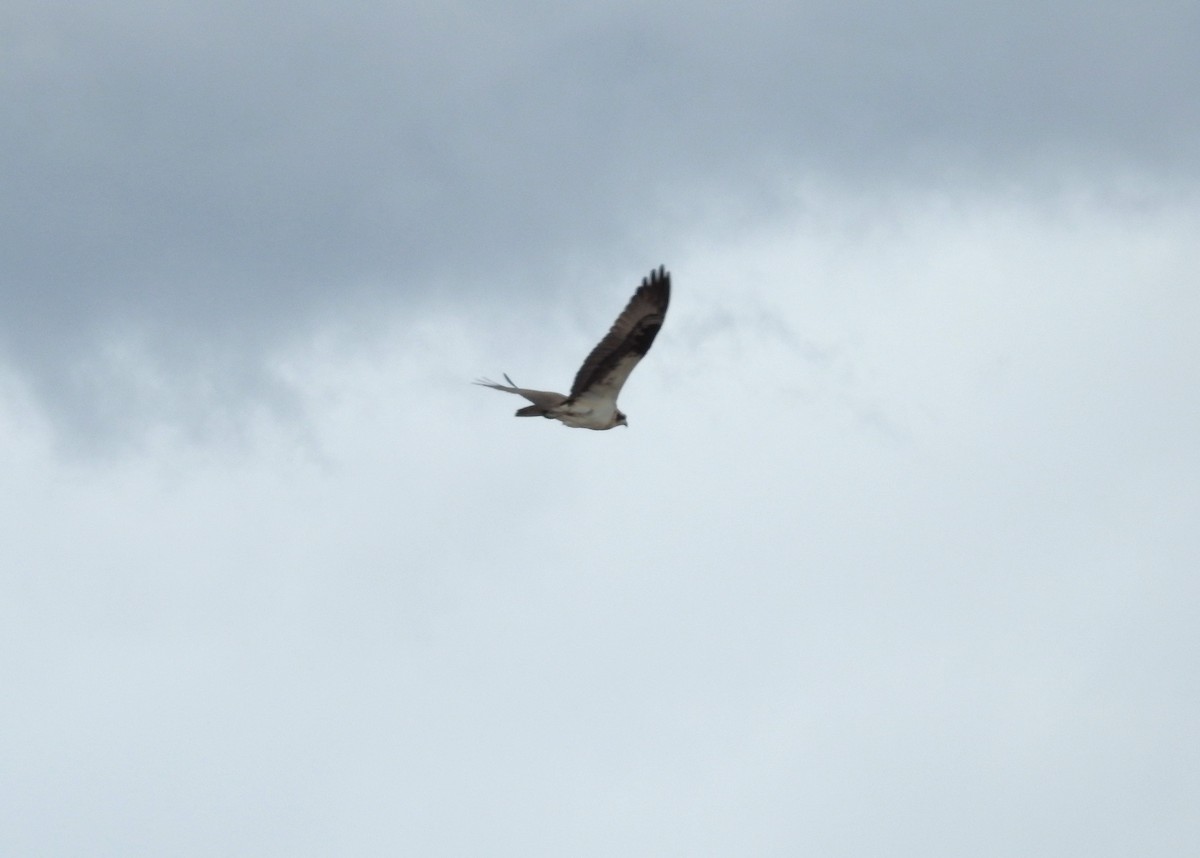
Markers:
(657, 287)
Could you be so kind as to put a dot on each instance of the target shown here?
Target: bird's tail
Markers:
(507, 388)
(543, 400)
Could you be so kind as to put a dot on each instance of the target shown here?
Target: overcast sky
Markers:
(898, 555)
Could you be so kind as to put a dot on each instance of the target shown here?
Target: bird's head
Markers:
(619, 420)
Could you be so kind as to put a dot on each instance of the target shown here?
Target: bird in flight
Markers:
(592, 403)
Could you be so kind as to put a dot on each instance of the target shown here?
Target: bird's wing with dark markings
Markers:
(610, 363)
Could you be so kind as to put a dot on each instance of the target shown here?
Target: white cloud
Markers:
(896, 556)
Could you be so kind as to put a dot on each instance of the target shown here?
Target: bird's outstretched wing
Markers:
(627, 341)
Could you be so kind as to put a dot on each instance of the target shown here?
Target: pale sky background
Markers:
(898, 556)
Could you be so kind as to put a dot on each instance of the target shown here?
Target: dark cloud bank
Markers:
(208, 182)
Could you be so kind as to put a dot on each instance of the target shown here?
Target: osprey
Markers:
(593, 400)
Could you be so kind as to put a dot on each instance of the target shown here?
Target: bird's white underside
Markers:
(587, 412)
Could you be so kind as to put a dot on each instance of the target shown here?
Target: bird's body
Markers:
(592, 403)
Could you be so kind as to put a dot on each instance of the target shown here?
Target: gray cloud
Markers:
(223, 178)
